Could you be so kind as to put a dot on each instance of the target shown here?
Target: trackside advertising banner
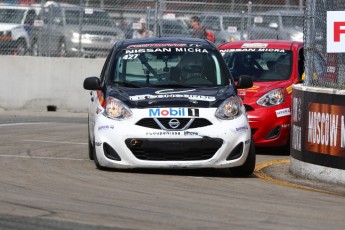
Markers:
(335, 31)
(318, 128)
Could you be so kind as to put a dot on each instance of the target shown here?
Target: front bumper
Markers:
(270, 129)
(125, 144)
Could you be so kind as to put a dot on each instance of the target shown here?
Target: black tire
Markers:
(91, 149)
(21, 48)
(248, 167)
(62, 52)
(35, 49)
(98, 166)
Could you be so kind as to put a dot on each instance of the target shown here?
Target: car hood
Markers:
(172, 97)
(260, 88)
(6, 27)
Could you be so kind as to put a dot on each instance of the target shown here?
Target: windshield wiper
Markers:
(126, 84)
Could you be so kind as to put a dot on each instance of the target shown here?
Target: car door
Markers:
(51, 32)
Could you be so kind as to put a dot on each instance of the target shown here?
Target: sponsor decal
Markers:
(168, 112)
(157, 45)
(285, 126)
(254, 88)
(283, 112)
(254, 45)
(164, 133)
(104, 127)
(99, 110)
(241, 129)
(188, 133)
(335, 32)
(193, 112)
(289, 89)
(163, 50)
(251, 50)
(98, 143)
(326, 129)
(173, 95)
(296, 132)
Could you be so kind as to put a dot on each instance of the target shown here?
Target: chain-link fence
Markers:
(322, 69)
(89, 28)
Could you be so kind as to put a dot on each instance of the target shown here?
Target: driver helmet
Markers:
(191, 66)
(247, 61)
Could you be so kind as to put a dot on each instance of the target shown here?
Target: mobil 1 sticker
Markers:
(173, 112)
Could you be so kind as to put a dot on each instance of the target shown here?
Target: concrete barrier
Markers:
(318, 134)
(33, 83)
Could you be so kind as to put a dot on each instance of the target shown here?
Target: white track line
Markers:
(49, 158)
(57, 142)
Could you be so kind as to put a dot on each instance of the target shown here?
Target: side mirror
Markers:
(244, 82)
(92, 83)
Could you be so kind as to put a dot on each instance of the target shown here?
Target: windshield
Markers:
(178, 66)
(14, 16)
(90, 17)
(273, 65)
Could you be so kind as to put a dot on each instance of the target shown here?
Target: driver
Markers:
(191, 66)
(247, 66)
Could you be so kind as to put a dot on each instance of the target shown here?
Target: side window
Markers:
(300, 64)
(30, 17)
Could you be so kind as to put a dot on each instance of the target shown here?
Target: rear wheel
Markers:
(35, 49)
(21, 48)
(248, 167)
(62, 49)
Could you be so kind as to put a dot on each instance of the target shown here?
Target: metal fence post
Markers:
(309, 40)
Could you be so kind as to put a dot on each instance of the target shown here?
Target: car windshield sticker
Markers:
(188, 96)
(253, 50)
(163, 50)
(156, 45)
(254, 45)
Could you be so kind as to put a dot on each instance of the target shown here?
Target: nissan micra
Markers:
(168, 103)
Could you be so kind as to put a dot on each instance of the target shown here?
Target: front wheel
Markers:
(248, 167)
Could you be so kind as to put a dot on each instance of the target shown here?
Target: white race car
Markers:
(168, 103)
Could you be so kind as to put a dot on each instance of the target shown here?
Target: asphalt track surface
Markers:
(47, 182)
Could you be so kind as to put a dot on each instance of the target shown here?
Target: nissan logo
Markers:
(174, 123)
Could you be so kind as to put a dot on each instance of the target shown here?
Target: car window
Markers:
(30, 17)
(260, 65)
(265, 20)
(90, 17)
(14, 16)
(234, 23)
(170, 65)
(293, 21)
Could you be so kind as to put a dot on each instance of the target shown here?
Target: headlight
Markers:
(297, 36)
(116, 109)
(229, 109)
(273, 97)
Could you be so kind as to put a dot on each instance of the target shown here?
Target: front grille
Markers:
(174, 150)
(151, 123)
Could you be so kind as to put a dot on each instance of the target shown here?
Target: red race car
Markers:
(274, 65)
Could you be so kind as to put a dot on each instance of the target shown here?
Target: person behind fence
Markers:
(143, 32)
(199, 31)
